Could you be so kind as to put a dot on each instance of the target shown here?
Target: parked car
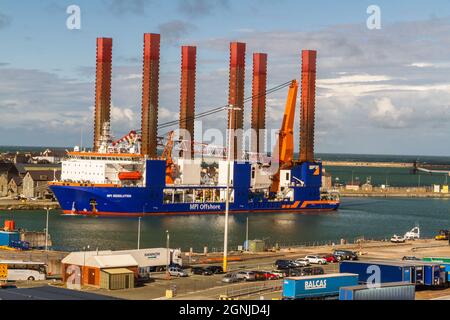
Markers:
(443, 235)
(175, 265)
(292, 272)
(345, 255)
(315, 259)
(215, 269)
(330, 258)
(177, 272)
(201, 271)
(270, 275)
(259, 275)
(301, 262)
(312, 271)
(397, 239)
(246, 275)
(230, 278)
(411, 258)
(284, 264)
(317, 271)
(278, 273)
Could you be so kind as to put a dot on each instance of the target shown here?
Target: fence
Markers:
(335, 242)
(246, 291)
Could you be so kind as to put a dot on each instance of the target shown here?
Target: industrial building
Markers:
(114, 270)
(101, 269)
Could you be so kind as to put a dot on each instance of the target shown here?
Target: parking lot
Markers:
(207, 286)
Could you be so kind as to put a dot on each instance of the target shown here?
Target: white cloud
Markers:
(125, 115)
(421, 65)
(356, 78)
(388, 115)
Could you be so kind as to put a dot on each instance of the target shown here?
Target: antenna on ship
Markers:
(81, 139)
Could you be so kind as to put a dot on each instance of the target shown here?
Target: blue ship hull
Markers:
(149, 200)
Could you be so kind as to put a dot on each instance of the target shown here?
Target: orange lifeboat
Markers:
(131, 175)
(9, 225)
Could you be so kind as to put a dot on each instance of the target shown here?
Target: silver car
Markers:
(301, 262)
(230, 278)
(246, 275)
(177, 272)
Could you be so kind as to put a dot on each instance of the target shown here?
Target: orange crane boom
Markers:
(167, 155)
(284, 148)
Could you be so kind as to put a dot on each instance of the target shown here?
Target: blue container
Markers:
(416, 272)
(446, 269)
(320, 286)
(390, 271)
(6, 237)
(386, 291)
(432, 274)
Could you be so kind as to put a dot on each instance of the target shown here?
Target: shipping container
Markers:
(416, 272)
(437, 259)
(6, 237)
(256, 245)
(445, 268)
(385, 291)
(433, 274)
(389, 271)
(316, 287)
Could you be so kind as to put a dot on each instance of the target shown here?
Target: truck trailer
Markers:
(416, 272)
(154, 259)
(317, 287)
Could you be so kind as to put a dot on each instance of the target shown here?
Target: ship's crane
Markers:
(130, 138)
(284, 148)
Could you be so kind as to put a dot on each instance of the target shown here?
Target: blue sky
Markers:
(379, 91)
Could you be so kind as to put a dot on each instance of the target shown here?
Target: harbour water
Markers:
(371, 218)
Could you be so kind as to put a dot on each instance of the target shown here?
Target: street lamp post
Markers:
(46, 229)
(167, 253)
(84, 263)
(227, 196)
(139, 234)
(246, 235)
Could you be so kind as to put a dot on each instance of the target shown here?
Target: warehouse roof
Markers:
(100, 259)
(112, 261)
(78, 258)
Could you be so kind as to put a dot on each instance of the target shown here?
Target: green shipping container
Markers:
(437, 259)
(256, 246)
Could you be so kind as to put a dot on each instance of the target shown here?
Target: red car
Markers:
(271, 276)
(330, 258)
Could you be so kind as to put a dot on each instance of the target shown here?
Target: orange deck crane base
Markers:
(284, 148)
